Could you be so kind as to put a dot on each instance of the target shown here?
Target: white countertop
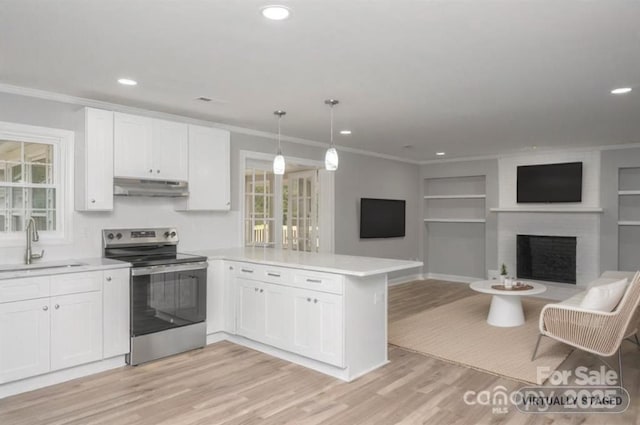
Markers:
(322, 262)
(47, 268)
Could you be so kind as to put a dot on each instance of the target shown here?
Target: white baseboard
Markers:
(404, 279)
(453, 278)
(52, 378)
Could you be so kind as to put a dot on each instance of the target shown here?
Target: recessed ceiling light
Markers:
(621, 90)
(345, 132)
(440, 153)
(204, 99)
(276, 12)
(127, 82)
(407, 146)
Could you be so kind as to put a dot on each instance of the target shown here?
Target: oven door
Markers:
(168, 296)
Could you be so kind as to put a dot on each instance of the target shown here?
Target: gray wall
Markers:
(454, 249)
(613, 239)
(379, 178)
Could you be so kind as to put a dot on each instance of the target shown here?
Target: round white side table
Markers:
(506, 306)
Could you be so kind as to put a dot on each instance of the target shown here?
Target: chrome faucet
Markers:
(32, 236)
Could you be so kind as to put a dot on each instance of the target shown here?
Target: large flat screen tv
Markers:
(382, 218)
(550, 183)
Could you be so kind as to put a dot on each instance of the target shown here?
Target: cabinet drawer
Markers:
(315, 281)
(276, 275)
(24, 289)
(247, 271)
(75, 283)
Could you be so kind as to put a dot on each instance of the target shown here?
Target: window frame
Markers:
(326, 213)
(63, 171)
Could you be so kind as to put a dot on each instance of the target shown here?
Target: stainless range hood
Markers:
(140, 187)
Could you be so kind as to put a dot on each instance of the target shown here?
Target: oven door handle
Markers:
(169, 268)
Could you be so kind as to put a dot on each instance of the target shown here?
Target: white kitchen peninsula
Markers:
(324, 311)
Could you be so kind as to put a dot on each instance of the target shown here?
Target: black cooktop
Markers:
(145, 260)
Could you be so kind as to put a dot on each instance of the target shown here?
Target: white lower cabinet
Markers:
(62, 321)
(76, 329)
(301, 321)
(251, 308)
(318, 326)
(24, 339)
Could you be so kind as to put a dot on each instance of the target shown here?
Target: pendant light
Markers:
(278, 161)
(331, 157)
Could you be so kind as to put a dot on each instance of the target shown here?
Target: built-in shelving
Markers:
(628, 223)
(454, 215)
(628, 218)
(455, 196)
(549, 209)
(454, 220)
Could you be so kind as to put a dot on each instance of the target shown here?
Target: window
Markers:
(34, 180)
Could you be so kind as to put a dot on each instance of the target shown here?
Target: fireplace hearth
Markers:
(547, 258)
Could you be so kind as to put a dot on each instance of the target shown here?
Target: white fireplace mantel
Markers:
(546, 209)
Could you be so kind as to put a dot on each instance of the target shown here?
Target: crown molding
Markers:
(81, 101)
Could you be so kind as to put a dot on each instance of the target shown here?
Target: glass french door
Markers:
(300, 214)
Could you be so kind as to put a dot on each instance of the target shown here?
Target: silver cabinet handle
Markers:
(108, 278)
(151, 171)
(255, 289)
(45, 308)
(314, 281)
(230, 267)
(57, 306)
(246, 270)
(315, 301)
(308, 300)
(262, 290)
(93, 201)
(273, 274)
(158, 171)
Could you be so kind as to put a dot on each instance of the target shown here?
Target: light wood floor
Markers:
(228, 384)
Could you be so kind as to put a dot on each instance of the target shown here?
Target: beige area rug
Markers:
(458, 332)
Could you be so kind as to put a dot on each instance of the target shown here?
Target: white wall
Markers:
(222, 229)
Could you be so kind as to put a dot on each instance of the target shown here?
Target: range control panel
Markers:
(153, 236)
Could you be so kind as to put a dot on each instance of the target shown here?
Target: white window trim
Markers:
(63, 142)
(326, 213)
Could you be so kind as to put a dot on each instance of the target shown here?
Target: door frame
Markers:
(326, 179)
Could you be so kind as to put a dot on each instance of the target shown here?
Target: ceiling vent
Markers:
(204, 99)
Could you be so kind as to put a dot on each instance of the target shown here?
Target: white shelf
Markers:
(628, 223)
(455, 196)
(549, 210)
(628, 192)
(454, 220)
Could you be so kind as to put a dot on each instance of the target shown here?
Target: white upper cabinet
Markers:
(209, 170)
(133, 146)
(170, 150)
(149, 148)
(94, 163)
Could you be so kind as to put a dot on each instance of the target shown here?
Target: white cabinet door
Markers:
(169, 150)
(318, 326)
(115, 299)
(209, 170)
(76, 329)
(97, 170)
(279, 305)
(133, 146)
(251, 308)
(24, 339)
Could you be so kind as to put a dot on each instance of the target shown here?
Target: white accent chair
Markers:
(597, 332)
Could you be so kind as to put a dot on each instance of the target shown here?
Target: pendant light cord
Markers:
(331, 114)
(279, 143)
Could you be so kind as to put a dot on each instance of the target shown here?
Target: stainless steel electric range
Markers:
(168, 292)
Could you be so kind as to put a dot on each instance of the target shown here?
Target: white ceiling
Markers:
(466, 77)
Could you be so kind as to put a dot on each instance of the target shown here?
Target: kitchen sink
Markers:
(41, 266)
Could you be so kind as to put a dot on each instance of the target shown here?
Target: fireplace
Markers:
(548, 258)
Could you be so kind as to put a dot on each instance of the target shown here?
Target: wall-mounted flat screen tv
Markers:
(382, 218)
(550, 183)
